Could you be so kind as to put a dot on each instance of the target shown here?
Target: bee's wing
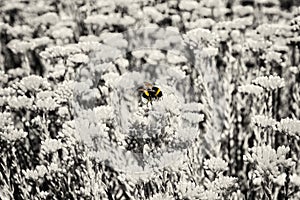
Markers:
(148, 85)
(141, 89)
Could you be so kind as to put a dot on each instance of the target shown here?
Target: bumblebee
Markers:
(150, 92)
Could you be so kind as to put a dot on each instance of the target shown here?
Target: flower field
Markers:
(154, 99)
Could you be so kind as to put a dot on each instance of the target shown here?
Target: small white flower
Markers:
(273, 56)
(243, 10)
(188, 5)
(193, 117)
(18, 46)
(290, 126)
(269, 82)
(209, 51)
(38, 42)
(215, 164)
(48, 18)
(89, 38)
(62, 33)
(78, 58)
(251, 89)
(51, 145)
(263, 121)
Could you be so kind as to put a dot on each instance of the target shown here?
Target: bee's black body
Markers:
(155, 92)
(146, 94)
(151, 92)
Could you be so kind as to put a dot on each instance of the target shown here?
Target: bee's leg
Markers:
(149, 100)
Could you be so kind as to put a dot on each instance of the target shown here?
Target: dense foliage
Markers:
(74, 126)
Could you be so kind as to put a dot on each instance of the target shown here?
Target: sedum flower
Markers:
(251, 89)
(104, 113)
(197, 37)
(20, 102)
(47, 104)
(139, 53)
(90, 46)
(193, 107)
(241, 23)
(271, 10)
(267, 160)
(222, 184)
(256, 44)
(213, 3)
(273, 56)
(243, 10)
(79, 58)
(122, 62)
(62, 33)
(193, 117)
(89, 38)
(39, 42)
(64, 92)
(20, 31)
(51, 145)
(38, 172)
(60, 51)
(263, 121)
(49, 18)
(63, 111)
(33, 83)
(111, 78)
(45, 101)
(209, 52)
(101, 20)
(188, 134)
(127, 20)
(215, 165)
(188, 5)
(290, 126)
(206, 23)
(269, 82)
(13, 134)
(5, 120)
(152, 13)
(18, 46)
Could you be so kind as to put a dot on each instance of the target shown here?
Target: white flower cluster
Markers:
(33, 83)
(286, 125)
(290, 126)
(70, 71)
(268, 161)
(263, 121)
(199, 37)
(51, 145)
(269, 82)
(215, 165)
(251, 89)
(39, 172)
(18, 46)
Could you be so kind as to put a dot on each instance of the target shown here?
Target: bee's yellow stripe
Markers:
(146, 92)
(157, 92)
